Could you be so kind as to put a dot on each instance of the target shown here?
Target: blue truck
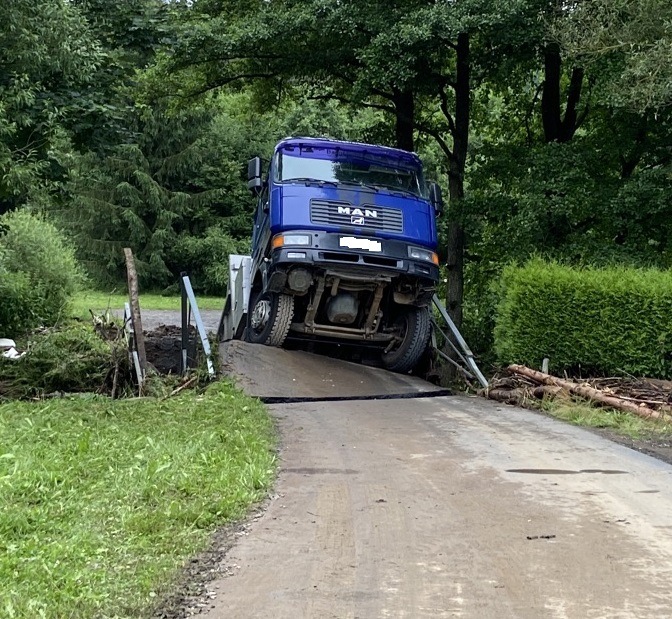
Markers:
(343, 249)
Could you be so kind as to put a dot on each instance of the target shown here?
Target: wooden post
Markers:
(132, 277)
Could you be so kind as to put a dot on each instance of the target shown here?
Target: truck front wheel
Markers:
(269, 318)
(414, 327)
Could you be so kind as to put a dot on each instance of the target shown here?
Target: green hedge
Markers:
(601, 321)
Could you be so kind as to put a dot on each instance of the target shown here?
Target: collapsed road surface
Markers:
(450, 507)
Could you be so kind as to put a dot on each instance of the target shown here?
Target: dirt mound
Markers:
(164, 348)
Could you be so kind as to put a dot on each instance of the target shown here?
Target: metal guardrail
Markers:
(462, 351)
(189, 305)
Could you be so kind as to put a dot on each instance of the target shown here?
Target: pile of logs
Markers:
(643, 397)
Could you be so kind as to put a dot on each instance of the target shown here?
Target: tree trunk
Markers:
(550, 98)
(557, 128)
(455, 248)
(569, 123)
(404, 105)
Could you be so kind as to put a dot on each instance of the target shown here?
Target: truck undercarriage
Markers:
(376, 308)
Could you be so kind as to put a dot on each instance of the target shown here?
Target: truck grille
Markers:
(367, 217)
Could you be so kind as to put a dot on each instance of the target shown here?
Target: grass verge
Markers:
(581, 413)
(102, 502)
(99, 302)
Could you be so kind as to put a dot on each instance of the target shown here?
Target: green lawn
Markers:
(101, 301)
(102, 502)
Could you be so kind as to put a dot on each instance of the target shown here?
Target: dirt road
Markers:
(451, 507)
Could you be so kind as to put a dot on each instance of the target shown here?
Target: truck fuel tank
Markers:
(342, 309)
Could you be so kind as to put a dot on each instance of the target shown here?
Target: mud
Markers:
(439, 507)
(163, 338)
(413, 509)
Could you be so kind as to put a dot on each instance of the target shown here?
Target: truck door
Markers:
(261, 233)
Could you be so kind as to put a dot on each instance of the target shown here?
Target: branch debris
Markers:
(647, 398)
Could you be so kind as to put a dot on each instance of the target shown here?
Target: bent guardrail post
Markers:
(468, 355)
(188, 290)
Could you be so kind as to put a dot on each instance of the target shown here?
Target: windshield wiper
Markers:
(396, 189)
(359, 184)
(308, 181)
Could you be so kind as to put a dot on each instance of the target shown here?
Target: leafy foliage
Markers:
(140, 196)
(46, 55)
(39, 272)
(208, 258)
(607, 321)
(628, 39)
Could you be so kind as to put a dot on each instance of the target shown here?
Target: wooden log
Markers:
(589, 393)
(508, 396)
(132, 277)
(550, 391)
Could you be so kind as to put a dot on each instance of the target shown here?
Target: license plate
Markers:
(352, 242)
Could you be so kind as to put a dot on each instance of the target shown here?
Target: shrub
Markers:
(17, 303)
(606, 321)
(38, 272)
(206, 258)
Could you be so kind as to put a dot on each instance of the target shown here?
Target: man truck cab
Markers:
(343, 248)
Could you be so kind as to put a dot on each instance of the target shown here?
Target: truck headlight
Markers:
(418, 253)
(290, 239)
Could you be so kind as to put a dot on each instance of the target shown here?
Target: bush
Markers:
(38, 272)
(17, 303)
(602, 321)
(206, 259)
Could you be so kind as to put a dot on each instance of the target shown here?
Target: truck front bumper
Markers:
(330, 251)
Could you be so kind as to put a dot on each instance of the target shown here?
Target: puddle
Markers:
(566, 471)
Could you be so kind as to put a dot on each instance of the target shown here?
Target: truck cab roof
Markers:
(305, 143)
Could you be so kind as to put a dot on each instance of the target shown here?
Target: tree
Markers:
(628, 41)
(142, 195)
(46, 52)
(411, 59)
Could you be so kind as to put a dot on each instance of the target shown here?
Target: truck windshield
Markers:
(377, 172)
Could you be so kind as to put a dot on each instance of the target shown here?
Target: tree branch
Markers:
(377, 106)
(446, 112)
(437, 136)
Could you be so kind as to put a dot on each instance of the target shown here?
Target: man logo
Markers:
(357, 212)
(357, 221)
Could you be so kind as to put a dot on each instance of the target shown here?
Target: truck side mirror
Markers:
(435, 197)
(254, 180)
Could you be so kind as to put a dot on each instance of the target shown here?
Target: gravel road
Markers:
(152, 319)
(451, 507)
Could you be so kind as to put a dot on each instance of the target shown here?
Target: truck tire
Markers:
(269, 318)
(416, 327)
